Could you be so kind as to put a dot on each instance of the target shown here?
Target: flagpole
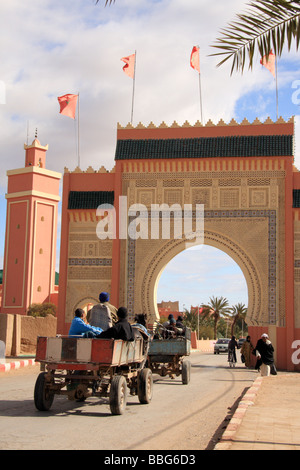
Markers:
(276, 86)
(200, 88)
(201, 111)
(133, 90)
(78, 150)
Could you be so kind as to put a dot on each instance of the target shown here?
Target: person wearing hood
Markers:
(121, 330)
(264, 352)
(167, 323)
(246, 351)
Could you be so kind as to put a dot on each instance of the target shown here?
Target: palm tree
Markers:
(238, 311)
(267, 25)
(216, 308)
(190, 319)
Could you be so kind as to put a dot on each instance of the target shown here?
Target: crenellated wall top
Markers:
(209, 130)
(209, 123)
(90, 170)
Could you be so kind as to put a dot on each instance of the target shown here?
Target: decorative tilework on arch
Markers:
(271, 215)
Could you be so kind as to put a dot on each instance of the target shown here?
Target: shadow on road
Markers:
(222, 427)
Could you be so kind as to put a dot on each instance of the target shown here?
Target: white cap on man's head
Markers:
(265, 335)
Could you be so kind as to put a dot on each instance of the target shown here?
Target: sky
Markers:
(53, 47)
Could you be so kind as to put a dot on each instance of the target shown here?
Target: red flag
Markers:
(195, 58)
(68, 105)
(129, 65)
(269, 63)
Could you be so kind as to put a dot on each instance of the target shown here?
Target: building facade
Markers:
(244, 178)
(31, 233)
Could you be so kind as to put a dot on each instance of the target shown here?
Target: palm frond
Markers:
(239, 310)
(267, 25)
(107, 2)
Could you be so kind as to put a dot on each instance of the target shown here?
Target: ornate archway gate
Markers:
(242, 174)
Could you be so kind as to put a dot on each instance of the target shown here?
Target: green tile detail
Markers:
(296, 198)
(205, 147)
(89, 199)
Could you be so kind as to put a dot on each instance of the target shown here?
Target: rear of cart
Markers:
(167, 356)
(80, 368)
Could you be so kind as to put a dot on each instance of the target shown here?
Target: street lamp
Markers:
(199, 311)
(228, 322)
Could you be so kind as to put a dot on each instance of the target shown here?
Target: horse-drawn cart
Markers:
(83, 367)
(166, 355)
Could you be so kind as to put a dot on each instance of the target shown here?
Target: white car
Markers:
(221, 345)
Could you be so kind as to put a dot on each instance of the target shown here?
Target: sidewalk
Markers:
(11, 363)
(268, 416)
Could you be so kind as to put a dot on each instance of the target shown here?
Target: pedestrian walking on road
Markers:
(246, 351)
(264, 352)
(232, 346)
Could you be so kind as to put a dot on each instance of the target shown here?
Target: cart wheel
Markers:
(145, 386)
(43, 397)
(118, 395)
(186, 372)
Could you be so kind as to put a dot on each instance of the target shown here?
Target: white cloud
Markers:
(53, 47)
(195, 275)
(56, 47)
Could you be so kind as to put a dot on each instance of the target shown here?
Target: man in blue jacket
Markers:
(80, 328)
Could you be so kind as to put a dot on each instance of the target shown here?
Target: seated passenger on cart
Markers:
(79, 327)
(103, 315)
(140, 330)
(171, 330)
(121, 330)
(174, 329)
(140, 324)
(180, 326)
(167, 323)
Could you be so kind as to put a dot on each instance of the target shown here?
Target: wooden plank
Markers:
(41, 348)
(84, 350)
(102, 351)
(54, 347)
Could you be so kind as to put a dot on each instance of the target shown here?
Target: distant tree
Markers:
(238, 311)
(222, 328)
(190, 319)
(163, 319)
(217, 307)
(41, 310)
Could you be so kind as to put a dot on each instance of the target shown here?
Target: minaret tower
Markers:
(31, 231)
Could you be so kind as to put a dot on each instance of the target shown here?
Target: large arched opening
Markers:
(155, 268)
(199, 273)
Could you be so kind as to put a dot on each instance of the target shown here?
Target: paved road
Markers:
(180, 417)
